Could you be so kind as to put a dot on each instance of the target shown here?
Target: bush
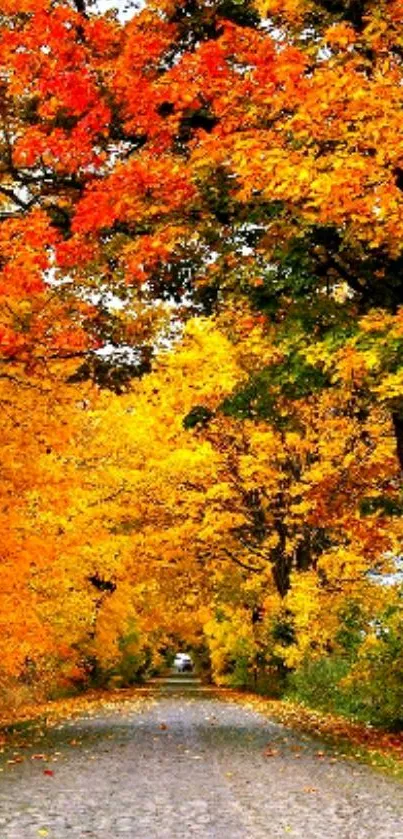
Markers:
(320, 683)
(368, 687)
(378, 672)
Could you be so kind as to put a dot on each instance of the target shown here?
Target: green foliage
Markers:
(378, 672)
(199, 416)
(135, 659)
(258, 398)
(318, 683)
(382, 504)
(352, 628)
(238, 670)
(283, 630)
(366, 682)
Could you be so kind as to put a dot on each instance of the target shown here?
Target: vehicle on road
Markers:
(183, 663)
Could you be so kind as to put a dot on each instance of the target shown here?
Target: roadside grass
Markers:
(380, 749)
(22, 719)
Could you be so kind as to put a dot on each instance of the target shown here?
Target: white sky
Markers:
(124, 8)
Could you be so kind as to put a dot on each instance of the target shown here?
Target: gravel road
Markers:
(183, 764)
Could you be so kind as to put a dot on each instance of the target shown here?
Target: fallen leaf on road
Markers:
(163, 726)
(270, 752)
(42, 831)
(48, 772)
(310, 789)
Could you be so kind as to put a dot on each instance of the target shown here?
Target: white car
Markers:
(183, 662)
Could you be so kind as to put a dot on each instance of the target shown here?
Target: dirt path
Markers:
(187, 764)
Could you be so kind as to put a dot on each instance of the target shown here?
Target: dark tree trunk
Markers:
(281, 575)
(282, 563)
(397, 419)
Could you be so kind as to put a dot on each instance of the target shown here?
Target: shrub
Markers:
(320, 683)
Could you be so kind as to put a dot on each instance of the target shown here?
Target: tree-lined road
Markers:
(185, 763)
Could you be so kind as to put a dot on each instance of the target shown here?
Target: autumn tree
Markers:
(233, 160)
(267, 523)
(258, 153)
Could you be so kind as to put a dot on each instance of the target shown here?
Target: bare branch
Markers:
(16, 199)
(244, 565)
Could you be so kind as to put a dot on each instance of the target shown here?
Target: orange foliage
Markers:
(159, 168)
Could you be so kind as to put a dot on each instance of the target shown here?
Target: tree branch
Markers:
(15, 198)
(81, 7)
(244, 565)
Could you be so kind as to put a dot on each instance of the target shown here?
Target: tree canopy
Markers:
(201, 337)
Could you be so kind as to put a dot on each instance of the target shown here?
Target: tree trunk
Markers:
(281, 574)
(397, 419)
